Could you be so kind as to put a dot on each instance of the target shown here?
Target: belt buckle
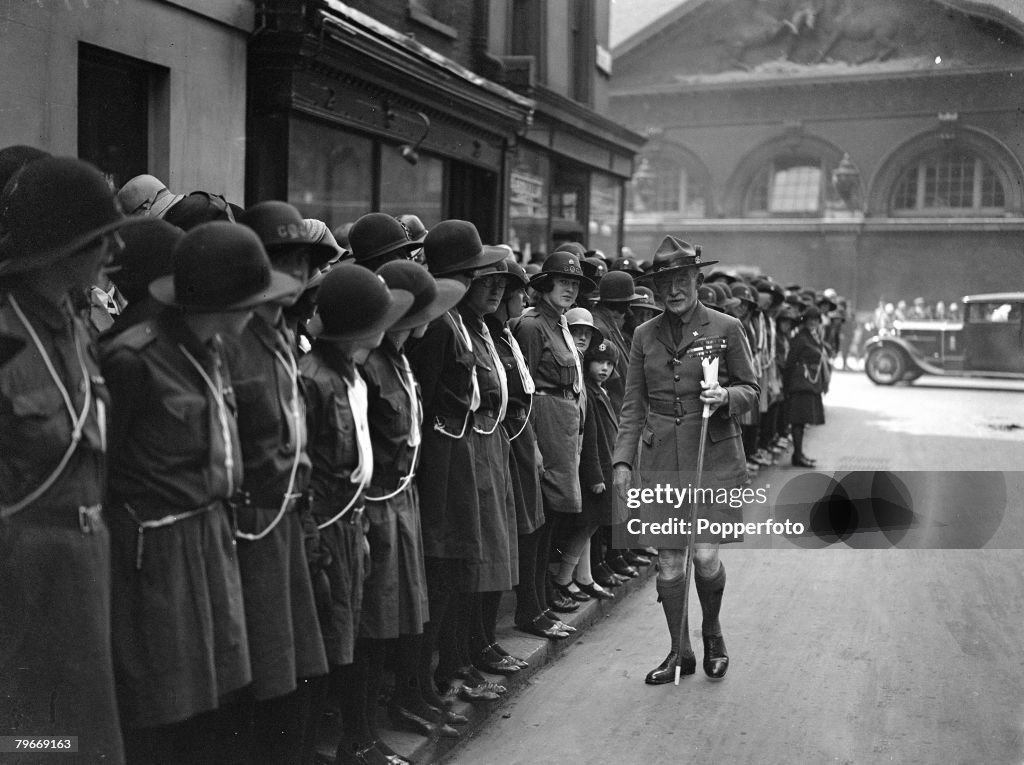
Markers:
(89, 518)
(677, 407)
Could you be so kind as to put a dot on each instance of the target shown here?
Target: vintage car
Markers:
(989, 342)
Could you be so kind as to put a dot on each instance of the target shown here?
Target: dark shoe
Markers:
(405, 719)
(594, 590)
(716, 660)
(566, 591)
(800, 460)
(563, 604)
(477, 695)
(487, 662)
(619, 565)
(635, 559)
(559, 624)
(651, 552)
(453, 718)
(514, 659)
(605, 577)
(535, 628)
(666, 671)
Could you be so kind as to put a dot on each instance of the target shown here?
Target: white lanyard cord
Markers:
(364, 470)
(293, 375)
(225, 427)
(526, 421)
(77, 419)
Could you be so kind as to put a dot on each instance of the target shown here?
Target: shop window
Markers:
(787, 186)
(117, 118)
(529, 182)
(411, 189)
(605, 196)
(945, 182)
(335, 186)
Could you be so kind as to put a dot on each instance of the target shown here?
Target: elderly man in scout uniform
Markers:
(56, 668)
(665, 396)
(356, 308)
(180, 646)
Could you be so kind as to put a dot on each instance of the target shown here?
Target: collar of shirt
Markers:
(56, 316)
(548, 312)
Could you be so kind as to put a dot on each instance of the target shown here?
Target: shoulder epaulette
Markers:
(136, 338)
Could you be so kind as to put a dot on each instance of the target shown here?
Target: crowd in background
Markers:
(255, 471)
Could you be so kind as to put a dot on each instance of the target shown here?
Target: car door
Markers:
(994, 337)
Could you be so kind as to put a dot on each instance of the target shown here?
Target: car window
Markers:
(993, 313)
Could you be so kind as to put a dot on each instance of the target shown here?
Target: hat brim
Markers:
(488, 256)
(449, 293)
(636, 296)
(600, 335)
(160, 207)
(647, 307)
(281, 285)
(648, 277)
(585, 282)
(320, 254)
(401, 301)
(13, 263)
(407, 246)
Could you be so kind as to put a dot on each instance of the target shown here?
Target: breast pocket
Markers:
(185, 422)
(342, 442)
(38, 427)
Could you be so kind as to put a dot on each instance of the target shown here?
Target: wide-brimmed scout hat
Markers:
(628, 264)
(281, 228)
(513, 279)
(415, 228)
(454, 246)
(52, 208)
(220, 267)
(377, 235)
(431, 297)
(147, 195)
(148, 254)
(745, 293)
(618, 287)
(562, 265)
(518, 278)
(725, 298)
(581, 317)
(646, 301)
(674, 255)
(354, 303)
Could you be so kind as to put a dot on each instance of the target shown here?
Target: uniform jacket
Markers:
(616, 384)
(333, 449)
(390, 412)
(807, 367)
(552, 363)
(660, 375)
(262, 364)
(167, 449)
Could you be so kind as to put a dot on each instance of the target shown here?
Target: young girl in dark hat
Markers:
(805, 379)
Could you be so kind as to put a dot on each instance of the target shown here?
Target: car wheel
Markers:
(913, 374)
(885, 365)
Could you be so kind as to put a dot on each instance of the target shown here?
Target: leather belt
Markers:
(675, 407)
(566, 393)
(490, 413)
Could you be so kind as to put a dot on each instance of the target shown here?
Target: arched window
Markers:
(788, 185)
(955, 181)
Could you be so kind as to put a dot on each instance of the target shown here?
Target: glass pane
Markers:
(113, 113)
(528, 202)
(330, 173)
(411, 189)
(905, 196)
(605, 196)
(991, 188)
(796, 189)
(758, 194)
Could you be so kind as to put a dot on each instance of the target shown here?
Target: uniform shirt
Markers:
(333, 446)
(35, 425)
(518, 399)
(487, 375)
(443, 364)
(552, 363)
(262, 367)
(173, 444)
(390, 413)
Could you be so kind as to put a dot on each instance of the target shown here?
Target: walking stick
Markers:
(708, 352)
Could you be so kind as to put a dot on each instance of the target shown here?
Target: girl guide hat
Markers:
(220, 267)
(52, 208)
(674, 255)
(377, 235)
(454, 247)
(430, 297)
(562, 265)
(282, 229)
(354, 303)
